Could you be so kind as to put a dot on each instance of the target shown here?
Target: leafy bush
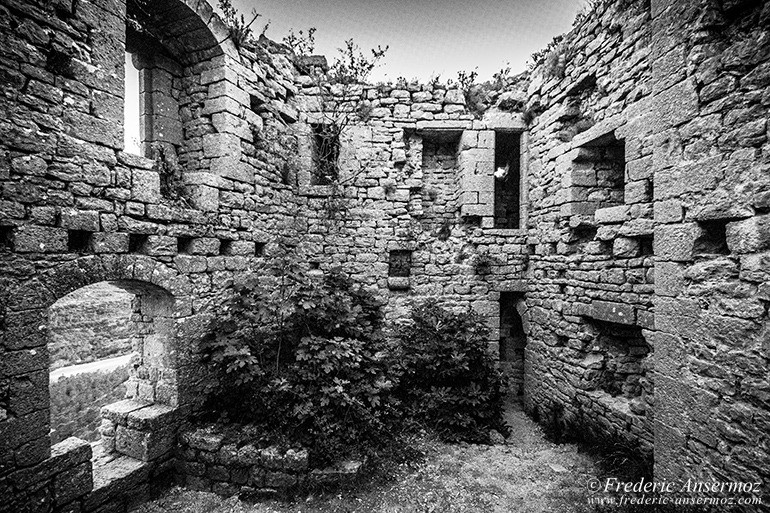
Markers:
(449, 378)
(304, 356)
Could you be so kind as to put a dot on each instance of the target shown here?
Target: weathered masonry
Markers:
(609, 216)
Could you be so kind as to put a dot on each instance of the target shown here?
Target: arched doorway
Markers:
(107, 342)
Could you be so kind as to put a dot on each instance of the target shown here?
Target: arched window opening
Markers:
(107, 342)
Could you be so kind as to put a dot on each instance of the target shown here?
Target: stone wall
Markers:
(209, 461)
(712, 183)
(177, 223)
(639, 254)
(591, 225)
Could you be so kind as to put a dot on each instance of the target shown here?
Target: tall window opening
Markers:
(326, 154)
(131, 109)
(507, 180)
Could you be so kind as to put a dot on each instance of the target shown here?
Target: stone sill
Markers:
(507, 232)
(398, 283)
(319, 191)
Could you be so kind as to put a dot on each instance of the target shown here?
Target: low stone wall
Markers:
(208, 462)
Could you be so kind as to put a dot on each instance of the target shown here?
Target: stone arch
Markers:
(189, 29)
(26, 423)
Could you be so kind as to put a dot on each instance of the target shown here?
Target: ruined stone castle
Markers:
(609, 215)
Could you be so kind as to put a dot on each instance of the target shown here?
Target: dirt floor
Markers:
(525, 474)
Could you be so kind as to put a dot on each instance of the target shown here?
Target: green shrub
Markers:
(450, 380)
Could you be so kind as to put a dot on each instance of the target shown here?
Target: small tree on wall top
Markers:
(339, 102)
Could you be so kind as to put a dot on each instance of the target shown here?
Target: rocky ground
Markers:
(525, 473)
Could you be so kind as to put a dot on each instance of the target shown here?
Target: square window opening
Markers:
(400, 264)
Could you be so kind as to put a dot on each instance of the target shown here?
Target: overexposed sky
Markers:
(426, 37)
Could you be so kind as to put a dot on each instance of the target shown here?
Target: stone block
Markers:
(85, 220)
(618, 313)
(145, 186)
(73, 483)
(39, 239)
(675, 242)
(750, 235)
(160, 245)
(109, 242)
(670, 211)
(143, 446)
(118, 412)
(623, 247)
(611, 215)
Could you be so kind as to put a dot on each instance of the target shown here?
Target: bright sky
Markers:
(426, 37)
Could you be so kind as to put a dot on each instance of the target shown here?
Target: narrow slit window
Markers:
(507, 180)
(131, 109)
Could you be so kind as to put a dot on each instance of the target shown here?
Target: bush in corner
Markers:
(449, 379)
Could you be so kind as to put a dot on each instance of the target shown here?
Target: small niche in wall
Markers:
(616, 363)
(6, 238)
(256, 104)
(184, 245)
(600, 170)
(400, 264)
(78, 241)
(507, 180)
(137, 243)
(471, 221)
(712, 239)
(259, 249)
(646, 245)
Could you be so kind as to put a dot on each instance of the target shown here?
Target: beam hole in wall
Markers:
(184, 245)
(137, 243)
(471, 221)
(225, 247)
(712, 239)
(6, 238)
(646, 245)
(513, 338)
(507, 206)
(78, 241)
(259, 249)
